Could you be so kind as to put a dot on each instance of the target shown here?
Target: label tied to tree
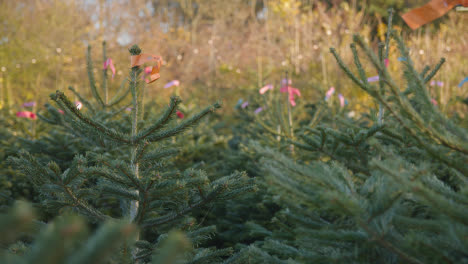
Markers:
(430, 11)
(138, 60)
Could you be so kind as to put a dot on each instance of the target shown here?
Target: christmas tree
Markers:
(126, 172)
(388, 187)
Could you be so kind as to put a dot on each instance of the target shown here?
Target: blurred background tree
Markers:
(217, 49)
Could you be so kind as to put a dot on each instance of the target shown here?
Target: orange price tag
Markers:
(430, 11)
(138, 60)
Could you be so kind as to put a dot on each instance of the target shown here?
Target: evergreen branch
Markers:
(381, 47)
(323, 137)
(29, 165)
(334, 235)
(374, 59)
(151, 222)
(389, 30)
(120, 166)
(420, 83)
(380, 52)
(45, 119)
(84, 205)
(212, 256)
(118, 191)
(395, 197)
(413, 115)
(279, 114)
(269, 129)
(420, 224)
(311, 141)
(75, 169)
(140, 150)
(88, 194)
(424, 71)
(104, 74)
(58, 119)
(403, 102)
(143, 254)
(436, 154)
(99, 171)
(201, 235)
(158, 155)
(252, 252)
(303, 146)
(461, 147)
(434, 71)
(131, 176)
(351, 75)
(317, 116)
(346, 139)
(92, 81)
(351, 164)
(184, 125)
(358, 64)
(62, 100)
(143, 244)
(82, 99)
(388, 245)
(366, 134)
(51, 188)
(438, 201)
(166, 117)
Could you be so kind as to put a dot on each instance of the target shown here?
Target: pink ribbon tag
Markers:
(377, 78)
(258, 110)
(342, 100)
(438, 83)
(373, 79)
(292, 100)
(172, 83)
(148, 69)
(108, 64)
(292, 92)
(180, 114)
(265, 88)
(29, 104)
(329, 93)
(286, 82)
(27, 114)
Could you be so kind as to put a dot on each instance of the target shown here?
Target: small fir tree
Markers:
(129, 168)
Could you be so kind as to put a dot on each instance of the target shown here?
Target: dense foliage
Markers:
(284, 176)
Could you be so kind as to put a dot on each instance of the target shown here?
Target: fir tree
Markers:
(129, 168)
(388, 188)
